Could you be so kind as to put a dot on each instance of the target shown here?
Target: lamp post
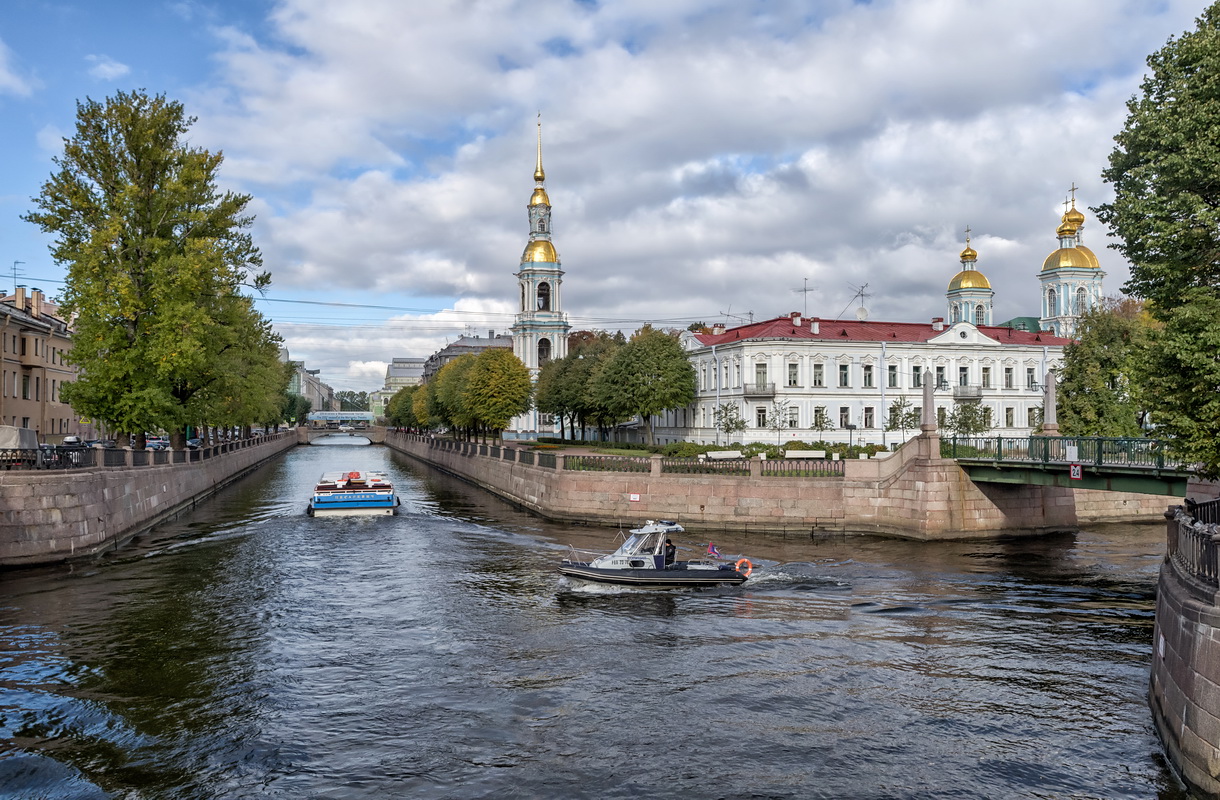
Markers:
(851, 429)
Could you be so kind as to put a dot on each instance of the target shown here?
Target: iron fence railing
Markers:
(607, 464)
(61, 457)
(525, 457)
(546, 460)
(711, 466)
(1191, 541)
(1086, 450)
(47, 458)
(803, 468)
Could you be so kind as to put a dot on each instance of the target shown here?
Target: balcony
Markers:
(759, 389)
(966, 393)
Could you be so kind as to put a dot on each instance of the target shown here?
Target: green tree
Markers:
(968, 419)
(497, 389)
(728, 420)
(450, 394)
(155, 258)
(902, 416)
(821, 420)
(777, 418)
(1100, 384)
(1166, 215)
(400, 410)
(649, 374)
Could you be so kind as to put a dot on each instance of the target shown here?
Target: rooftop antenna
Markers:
(862, 312)
(805, 291)
(15, 263)
(727, 314)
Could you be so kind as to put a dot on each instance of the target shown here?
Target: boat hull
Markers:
(349, 511)
(658, 578)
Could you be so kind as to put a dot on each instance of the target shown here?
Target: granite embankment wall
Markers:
(1184, 687)
(55, 515)
(912, 494)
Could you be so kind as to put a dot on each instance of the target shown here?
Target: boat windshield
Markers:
(639, 543)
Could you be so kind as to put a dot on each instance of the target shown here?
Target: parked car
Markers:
(194, 444)
(72, 441)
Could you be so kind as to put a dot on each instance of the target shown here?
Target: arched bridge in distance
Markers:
(374, 433)
(1074, 462)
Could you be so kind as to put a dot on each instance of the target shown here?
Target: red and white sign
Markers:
(1077, 473)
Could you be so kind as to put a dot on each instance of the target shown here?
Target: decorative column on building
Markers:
(540, 332)
(1071, 277)
(969, 292)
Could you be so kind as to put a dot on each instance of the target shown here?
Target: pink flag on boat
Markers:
(712, 550)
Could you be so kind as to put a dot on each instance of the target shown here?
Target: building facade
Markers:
(34, 367)
(399, 374)
(305, 382)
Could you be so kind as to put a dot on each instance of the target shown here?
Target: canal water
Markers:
(246, 650)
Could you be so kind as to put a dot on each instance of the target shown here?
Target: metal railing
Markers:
(546, 460)
(720, 466)
(803, 468)
(1092, 450)
(607, 464)
(61, 457)
(1191, 541)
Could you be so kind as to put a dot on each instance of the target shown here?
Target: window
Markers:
(986, 377)
(844, 416)
(818, 379)
(941, 417)
(892, 376)
(1030, 382)
(1009, 416)
(916, 377)
(844, 375)
(1008, 378)
(1082, 300)
(941, 383)
(919, 414)
(1051, 311)
(963, 376)
(794, 417)
(23, 340)
(760, 374)
(821, 420)
(1031, 417)
(760, 416)
(25, 388)
(724, 381)
(544, 297)
(868, 376)
(980, 315)
(792, 380)
(955, 315)
(868, 417)
(544, 351)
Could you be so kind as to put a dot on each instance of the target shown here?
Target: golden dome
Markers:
(969, 279)
(1074, 217)
(540, 250)
(1066, 229)
(1079, 257)
(539, 198)
(969, 254)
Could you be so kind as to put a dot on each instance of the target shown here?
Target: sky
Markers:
(706, 160)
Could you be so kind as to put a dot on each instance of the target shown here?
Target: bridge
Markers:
(1073, 462)
(374, 433)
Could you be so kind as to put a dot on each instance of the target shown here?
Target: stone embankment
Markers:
(914, 493)
(55, 515)
(1184, 688)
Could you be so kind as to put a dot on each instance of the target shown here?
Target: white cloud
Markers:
(106, 68)
(10, 81)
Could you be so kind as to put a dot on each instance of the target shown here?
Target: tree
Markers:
(777, 418)
(1166, 214)
(1100, 383)
(450, 393)
(497, 388)
(649, 374)
(155, 258)
(400, 410)
(968, 419)
(728, 420)
(902, 416)
(821, 420)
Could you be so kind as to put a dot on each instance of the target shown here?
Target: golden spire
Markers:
(539, 175)
(968, 254)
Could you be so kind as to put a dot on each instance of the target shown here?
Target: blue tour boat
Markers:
(353, 493)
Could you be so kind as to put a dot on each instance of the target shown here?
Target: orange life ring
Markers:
(749, 567)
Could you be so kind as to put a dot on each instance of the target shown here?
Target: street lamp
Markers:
(850, 430)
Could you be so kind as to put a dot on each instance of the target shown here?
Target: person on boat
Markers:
(671, 552)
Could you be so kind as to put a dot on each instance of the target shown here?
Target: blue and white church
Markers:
(1071, 277)
(540, 330)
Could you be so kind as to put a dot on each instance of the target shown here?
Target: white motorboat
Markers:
(647, 557)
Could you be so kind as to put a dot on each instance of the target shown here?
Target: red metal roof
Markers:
(855, 330)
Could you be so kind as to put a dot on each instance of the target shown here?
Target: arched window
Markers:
(1051, 310)
(1082, 299)
(544, 350)
(542, 226)
(955, 314)
(523, 306)
(544, 297)
(980, 315)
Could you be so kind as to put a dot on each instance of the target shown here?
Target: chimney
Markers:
(19, 299)
(718, 329)
(491, 334)
(938, 323)
(796, 319)
(36, 299)
(815, 326)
